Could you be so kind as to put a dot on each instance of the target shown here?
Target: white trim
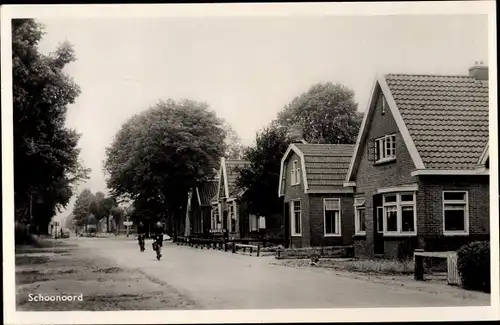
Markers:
(455, 172)
(410, 145)
(293, 233)
(299, 153)
(466, 221)
(226, 188)
(361, 132)
(356, 220)
(339, 234)
(198, 195)
(485, 154)
(332, 191)
(349, 184)
(400, 188)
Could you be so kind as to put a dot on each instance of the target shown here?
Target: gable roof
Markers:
(229, 174)
(324, 166)
(206, 191)
(442, 119)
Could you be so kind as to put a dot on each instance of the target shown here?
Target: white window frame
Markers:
(399, 214)
(338, 221)
(295, 176)
(465, 232)
(251, 218)
(293, 231)
(381, 148)
(359, 203)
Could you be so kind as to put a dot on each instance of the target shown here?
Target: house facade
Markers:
(199, 208)
(229, 211)
(420, 168)
(318, 209)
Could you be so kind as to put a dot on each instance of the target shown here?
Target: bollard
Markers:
(419, 267)
(258, 249)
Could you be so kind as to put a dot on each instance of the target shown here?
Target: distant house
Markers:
(421, 165)
(318, 208)
(229, 212)
(199, 207)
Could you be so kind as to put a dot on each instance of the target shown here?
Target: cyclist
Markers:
(158, 234)
(141, 234)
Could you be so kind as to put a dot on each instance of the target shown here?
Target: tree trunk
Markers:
(107, 224)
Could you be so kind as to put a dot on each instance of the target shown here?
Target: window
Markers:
(253, 222)
(385, 148)
(359, 214)
(296, 218)
(399, 214)
(295, 173)
(262, 222)
(332, 217)
(455, 213)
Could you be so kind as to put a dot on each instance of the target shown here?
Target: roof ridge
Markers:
(430, 75)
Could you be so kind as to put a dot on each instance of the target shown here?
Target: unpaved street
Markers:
(194, 278)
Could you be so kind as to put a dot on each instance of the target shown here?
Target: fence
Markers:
(452, 275)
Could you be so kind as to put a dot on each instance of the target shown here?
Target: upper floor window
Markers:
(385, 148)
(295, 173)
(455, 213)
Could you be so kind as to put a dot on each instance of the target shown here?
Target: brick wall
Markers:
(430, 210)
(297, 192)
(370, 177)
(317, 221)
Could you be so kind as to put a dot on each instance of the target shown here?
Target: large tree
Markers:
(261, 178)
(102, 206)
(158, 155)
(83, 207)
(46, 166)
(326, 112)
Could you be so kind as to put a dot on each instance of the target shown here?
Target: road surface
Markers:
(222, 280)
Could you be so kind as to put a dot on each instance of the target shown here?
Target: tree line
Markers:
(158, 155)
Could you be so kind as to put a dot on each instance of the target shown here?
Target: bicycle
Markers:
(141, 242)
(157, 247)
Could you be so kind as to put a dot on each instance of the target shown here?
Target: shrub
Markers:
(474, 265)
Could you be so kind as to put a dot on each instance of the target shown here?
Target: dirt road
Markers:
(193, 278)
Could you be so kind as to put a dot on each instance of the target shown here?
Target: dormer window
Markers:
(385, 148)
(295, 177)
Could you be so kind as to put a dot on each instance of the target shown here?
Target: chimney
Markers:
(479, 71)
(296, 133)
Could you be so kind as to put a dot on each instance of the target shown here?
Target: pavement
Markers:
(214, 279)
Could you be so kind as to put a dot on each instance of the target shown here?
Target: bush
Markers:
(474, 265)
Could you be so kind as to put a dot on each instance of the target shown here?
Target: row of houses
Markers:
(417, 177)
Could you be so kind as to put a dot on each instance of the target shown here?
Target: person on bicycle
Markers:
(158, 232)
(141, 234)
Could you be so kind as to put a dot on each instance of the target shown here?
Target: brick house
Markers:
(420, 167)
(229, 212)
(199, 207)
(318, 209)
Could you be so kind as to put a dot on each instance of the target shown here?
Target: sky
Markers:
(246, 68)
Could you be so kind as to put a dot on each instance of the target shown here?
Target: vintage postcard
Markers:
(221, 163)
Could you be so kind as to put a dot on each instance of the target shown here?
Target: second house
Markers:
(318, 208)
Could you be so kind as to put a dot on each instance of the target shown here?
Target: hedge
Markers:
(474, 265)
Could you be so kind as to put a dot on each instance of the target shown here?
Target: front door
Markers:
(287, 224)
(378, 229)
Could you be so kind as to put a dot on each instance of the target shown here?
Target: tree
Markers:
(327, 112)
(158, 155)
(101, 207)
(234, 148)
(261, 178)
(45, 151)
(83, 207)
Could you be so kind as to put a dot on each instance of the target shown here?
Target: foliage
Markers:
(83, 207)
(158, 155)
(45, 151)
(261, 178)
(474, 265)
(327, 113)
(234, 148)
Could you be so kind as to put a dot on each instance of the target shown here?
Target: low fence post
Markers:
(258, 249)
(234, 247)
(419, 265)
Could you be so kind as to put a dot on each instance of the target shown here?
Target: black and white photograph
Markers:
(250, 162)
